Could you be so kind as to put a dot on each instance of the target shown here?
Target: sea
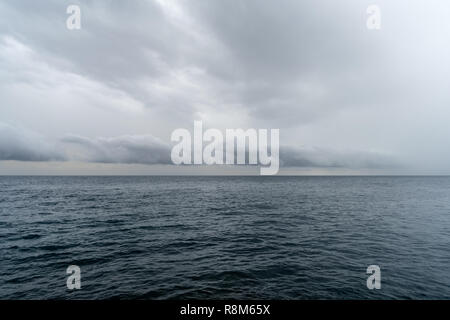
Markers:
(222, 237)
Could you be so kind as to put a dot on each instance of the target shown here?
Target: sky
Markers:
(105, 99)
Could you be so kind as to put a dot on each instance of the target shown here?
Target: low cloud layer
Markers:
(350, 159)
(25, 145)
(20, 144)
(124, 149)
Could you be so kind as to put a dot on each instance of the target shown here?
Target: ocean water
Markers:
(225, 237)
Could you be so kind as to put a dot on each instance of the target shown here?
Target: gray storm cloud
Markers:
(341, 95)
(144, 149)
(18, 143)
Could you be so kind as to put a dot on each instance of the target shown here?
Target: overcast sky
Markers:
(106, 98)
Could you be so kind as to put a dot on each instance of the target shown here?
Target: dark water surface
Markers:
(225, 237)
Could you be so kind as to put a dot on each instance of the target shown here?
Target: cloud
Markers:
(310, 68)
(284, 63)
(21, 144)
(26, 69)
(18, 143)
(329, 158)
(147, 149)
(143, 149)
